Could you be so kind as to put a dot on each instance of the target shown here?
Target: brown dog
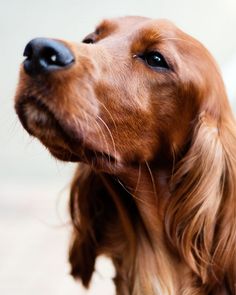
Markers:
(143, 106)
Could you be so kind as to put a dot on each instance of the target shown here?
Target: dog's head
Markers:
(130, 92)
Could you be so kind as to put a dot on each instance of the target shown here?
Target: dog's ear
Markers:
(83, 249)
(101, 221)
(82, 258)
(201, 217)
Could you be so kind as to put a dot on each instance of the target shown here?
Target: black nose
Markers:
(46, 55)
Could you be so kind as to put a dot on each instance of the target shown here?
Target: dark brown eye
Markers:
(90, 39)
(155, 59)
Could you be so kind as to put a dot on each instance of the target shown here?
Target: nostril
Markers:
(52, 56)
(46, 55)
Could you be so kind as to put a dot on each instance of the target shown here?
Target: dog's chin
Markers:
(40, 122)
(63, 154)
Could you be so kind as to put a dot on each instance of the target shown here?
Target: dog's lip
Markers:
(55, 122)
(87, 154)
(59, 150)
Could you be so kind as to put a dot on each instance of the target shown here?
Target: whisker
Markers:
(132, 195)
(86, 128)
(180, 39)
(153, 182)
(104, 138)
(175, 39)
(82, 129)
(111, 136)
(109, 113)
(98, 128)
(139, 177)
(183, 40)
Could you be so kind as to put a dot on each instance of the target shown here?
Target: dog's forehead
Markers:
(139, 23)
(124, 22)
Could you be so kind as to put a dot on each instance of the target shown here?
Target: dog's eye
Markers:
(88, 41)
(92, 38)
(155, 60)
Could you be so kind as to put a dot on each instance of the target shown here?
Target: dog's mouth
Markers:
(59, 138)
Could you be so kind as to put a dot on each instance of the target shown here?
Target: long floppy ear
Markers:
(101, 221)
(201, 217)
(83, 247)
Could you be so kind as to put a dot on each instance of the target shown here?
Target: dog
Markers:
(142, 107)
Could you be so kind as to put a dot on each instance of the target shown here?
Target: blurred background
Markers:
(34, 225)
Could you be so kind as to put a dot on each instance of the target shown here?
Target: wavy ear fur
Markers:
(201, 218)
(102, 222)
(83, 212)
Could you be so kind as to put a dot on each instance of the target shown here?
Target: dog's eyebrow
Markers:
(150, 35)
(105, 25)
(146, 37)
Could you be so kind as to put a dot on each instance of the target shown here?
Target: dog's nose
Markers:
(46, 55)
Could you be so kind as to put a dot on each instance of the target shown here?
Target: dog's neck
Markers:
(149, 191)
(156, 269)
